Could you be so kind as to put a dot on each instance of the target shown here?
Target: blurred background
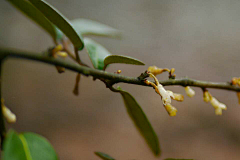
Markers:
(200, 39)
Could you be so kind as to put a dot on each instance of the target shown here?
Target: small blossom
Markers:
(176, 96)
(165, 96)
(172, 111)
(8, 115)
(155, 70)
(206, 96)
(238, 95)
(217, 106)
(189, 91)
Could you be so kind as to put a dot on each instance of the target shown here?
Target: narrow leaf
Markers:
(104, 156)
(140, 120)
(33, 13)
(96, 52)
(27, 146)
(60, 21)
(89, 27)
(121, 59)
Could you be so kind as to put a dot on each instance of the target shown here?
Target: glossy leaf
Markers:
(27, 146)
(121, 59)
(96, 52)
(33, 13)
(140, 120)
(89, 27)
(60, 21)
(101, 57)
(104, 156)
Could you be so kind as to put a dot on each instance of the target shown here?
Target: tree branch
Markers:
(112, 77)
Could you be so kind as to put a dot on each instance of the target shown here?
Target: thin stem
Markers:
(112, 77)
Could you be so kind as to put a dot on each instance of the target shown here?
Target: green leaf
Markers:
(89, 27)
(104, 156)
(13, 147)
(140, 120)
(121, 59)
(101, 57)
(96, 52)
(60, 21)
(33, 13)
(27, 146)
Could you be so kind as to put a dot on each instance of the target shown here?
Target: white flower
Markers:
(217, 106)
(189, 91)
(164, 94)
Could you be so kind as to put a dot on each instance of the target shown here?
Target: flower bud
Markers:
(155, 70)
(57, 48)
(9, 116)
(189, 91)
(206, 96)
(218, 106)
(176, 96)
(164, 94)
(172, 111)
(62, 54)
(235, 80)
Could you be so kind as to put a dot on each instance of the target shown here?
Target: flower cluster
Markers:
(207, 97)
(8, 115)
(166, 96)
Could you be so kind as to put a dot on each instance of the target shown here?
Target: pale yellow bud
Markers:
(218, 111)
(62, 54)
(189, 91)
(57, 48)
(172, 111)
(9, 116)
(206, 96)
(235, 80)
(218, 106)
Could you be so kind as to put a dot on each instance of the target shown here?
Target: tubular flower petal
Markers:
(164, 94)
(9, 116)
(155, 70)
(172, 111)
(189, 91)
(218, 106)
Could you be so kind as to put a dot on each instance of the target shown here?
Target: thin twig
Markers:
(112, 77)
